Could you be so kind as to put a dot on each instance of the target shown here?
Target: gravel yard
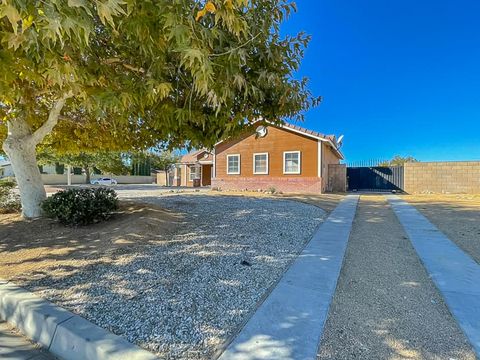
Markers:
(185, 293)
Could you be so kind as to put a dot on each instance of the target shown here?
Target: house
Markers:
(287, 157)
(194, 169)
(5, 169)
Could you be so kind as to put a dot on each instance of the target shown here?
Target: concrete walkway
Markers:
(385, 305)
(15, 347)
(455, 274)
(289, 324)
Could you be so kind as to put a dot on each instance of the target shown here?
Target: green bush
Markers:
(81, 206)
(9, 200)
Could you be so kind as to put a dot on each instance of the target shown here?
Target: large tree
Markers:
(130, 73)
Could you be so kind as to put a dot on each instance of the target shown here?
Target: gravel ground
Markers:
(385, 306)
(184, 297)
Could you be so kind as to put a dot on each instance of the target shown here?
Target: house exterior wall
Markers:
(328, 158)
(454, 177)
(275, 143)
(6, 171)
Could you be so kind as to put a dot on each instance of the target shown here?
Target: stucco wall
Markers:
(56, 179)
(442, 177)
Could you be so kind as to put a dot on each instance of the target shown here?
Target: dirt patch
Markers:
(457, 216)
(36, 247)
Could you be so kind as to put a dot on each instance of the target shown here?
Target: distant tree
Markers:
(126, 74)
(106, 162)
(398, 160)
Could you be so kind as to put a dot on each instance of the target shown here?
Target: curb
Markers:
(62, 333)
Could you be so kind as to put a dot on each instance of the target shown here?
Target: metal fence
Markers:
(375, 178)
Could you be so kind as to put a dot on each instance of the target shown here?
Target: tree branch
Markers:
(52, 120)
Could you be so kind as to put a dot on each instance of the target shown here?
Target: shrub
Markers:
(9, 200)
(271, 190)
(81, 206)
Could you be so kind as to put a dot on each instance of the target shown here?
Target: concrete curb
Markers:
(64, 334)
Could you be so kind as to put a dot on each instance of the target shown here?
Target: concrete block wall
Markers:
(456, 177)
(61, 179)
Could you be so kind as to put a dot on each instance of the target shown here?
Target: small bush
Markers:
(271, 190)
(81, 206)
(9, 200)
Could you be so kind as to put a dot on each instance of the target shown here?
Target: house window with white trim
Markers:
(233, 164)
(195, 172)
(260, 163)
(291, 162)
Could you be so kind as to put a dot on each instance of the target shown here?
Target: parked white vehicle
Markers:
(103, 181)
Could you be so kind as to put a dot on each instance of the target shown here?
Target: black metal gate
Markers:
(375, 178)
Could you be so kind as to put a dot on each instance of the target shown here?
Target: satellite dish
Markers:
(261, 131)
(205, 156)
(340, 140)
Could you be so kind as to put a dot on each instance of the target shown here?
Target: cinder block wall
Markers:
(459, 177)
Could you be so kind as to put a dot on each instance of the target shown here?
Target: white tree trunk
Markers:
(20, 146)
(22, 155)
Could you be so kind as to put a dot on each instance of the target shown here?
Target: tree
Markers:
(105, 161)
(398, 160)
(123, 74)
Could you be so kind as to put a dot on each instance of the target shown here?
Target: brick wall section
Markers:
(461, 177)
(283, 184)
(337, 178)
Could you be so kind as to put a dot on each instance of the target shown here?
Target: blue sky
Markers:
(397, 77)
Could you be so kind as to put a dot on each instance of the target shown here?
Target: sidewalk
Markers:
(15, 347)
(289, 323)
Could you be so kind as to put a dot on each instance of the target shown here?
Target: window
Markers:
(233, 164)
(193, 172)
(291, 162)
(260, 163)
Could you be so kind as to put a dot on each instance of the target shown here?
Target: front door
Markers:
(206, 175)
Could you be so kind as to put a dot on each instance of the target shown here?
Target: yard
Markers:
(177, 274)
(456, 215)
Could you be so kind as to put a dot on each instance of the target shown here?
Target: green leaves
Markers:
(109, 9)
(144, 72)
(12, 14)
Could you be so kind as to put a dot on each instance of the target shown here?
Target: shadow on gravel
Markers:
(176, 276)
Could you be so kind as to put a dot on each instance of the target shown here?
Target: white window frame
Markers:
(299, 163)
(239, 166)
(190, 167)
(266, 168)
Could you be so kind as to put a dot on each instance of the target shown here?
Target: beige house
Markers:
(194, 169)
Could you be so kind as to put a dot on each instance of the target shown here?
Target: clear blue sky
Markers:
(397, 77)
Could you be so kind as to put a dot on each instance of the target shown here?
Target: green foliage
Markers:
(272, 190)
(9, 201)
(138, 72)
(81, 206)
(104, 161)
(398, 160)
